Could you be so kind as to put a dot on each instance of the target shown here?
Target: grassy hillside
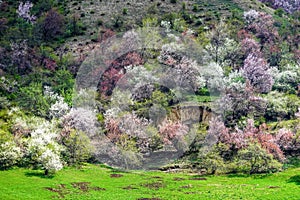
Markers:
(125, 15)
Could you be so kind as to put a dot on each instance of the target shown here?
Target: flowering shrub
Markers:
(289, 6)
(280, 106)
(50, 161)
(59, 108)
(182, 72)
(250, 150)
(237, 103)
(10, 154)
(43, 149)
(129, 127)
(250, 46)
(264, 29)
(250, 16)
(286, 79)
(174, 133)
(83, 119)
(24, 11)
(255, 159)
(117, 70)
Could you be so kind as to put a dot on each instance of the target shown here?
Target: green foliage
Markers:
(158, 103)
(211, 160)
(254, 159)
(195, 8)
(125, 11)
(78, 147)
(5, 136)
(150, 22)
(75, 26)
(281, 106)
(4, 102)
(32, 99)
(63, 84)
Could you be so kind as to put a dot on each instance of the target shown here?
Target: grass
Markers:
(96, 182)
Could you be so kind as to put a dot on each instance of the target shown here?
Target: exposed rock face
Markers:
(190, 114)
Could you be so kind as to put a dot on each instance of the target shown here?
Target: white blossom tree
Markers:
(43, 149)
(10, 154)
(24, 11)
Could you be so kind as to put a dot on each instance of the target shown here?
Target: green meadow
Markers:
(100, 182)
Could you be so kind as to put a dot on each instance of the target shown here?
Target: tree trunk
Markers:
(46, 172)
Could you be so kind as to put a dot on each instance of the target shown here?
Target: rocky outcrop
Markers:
(190, 114)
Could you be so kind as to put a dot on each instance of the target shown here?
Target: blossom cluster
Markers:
(24, 11)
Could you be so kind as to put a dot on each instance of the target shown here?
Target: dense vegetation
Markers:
(212, 87)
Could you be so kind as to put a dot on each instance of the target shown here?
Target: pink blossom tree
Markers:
(256, 70)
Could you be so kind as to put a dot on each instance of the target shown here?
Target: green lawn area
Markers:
(96, 182)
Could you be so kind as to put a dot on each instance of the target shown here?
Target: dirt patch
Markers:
(98, 188)
(116, 175)
(82, 186)
(61, 190)
(129, 187)
(187, 186)
(154, 185)
(273, 187)
(178, 179)
(156, 177)
(198, 178)
(86, 186)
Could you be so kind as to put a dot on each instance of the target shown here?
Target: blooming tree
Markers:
(58, 106)
(174, 133)
(237, 102)
(182, 71)
(50, 161)
(289, 6)
(10, 154)
(43, 148)
(21, 55)
(238, 139)
(250, 46)
(250, 16)
(24, 11)
(262, 26)
(256, 70)
(83, 119)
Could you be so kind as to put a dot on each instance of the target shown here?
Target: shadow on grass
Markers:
(254, 176)
(294, 179)
(238, 175)
(115, 170)
(38, 174)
